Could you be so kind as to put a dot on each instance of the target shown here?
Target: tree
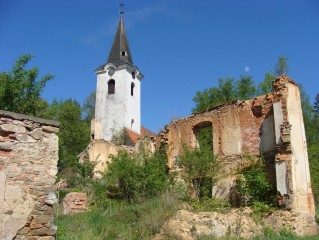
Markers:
(74, 133)
(265, 86)
(245, 87)
(281, 66)
(20, 89)
(316, 105)
(89, 107)
(225, 93)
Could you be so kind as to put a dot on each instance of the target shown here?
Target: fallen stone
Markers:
(74, 202)
(189, 226)
(51, 199)
(300, 223)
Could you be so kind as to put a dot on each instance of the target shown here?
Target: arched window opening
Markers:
(132, 89)
(111, 87)
(132, 121)
(133, 75)
(203, 132)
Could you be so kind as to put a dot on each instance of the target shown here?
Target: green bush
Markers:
(252, 185)
(130, 178)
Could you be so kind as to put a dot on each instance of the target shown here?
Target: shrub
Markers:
(130, 178)
(252, 185)
(198, 164)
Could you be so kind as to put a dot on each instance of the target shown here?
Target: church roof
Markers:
(120, 52)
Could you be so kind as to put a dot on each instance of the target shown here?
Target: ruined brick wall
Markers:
(244, 127)
(28, 165)
(271, 124)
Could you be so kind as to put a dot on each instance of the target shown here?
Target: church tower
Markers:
(118, 91)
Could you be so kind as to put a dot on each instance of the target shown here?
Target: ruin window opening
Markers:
(92, 136)
(132, 121)
(123, 53)
(204, 136)
(111, 87)
(203, 133)
(132, 89)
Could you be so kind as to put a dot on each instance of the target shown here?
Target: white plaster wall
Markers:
(133, 105)
(267, 139)
(300, 164)
(116, 111)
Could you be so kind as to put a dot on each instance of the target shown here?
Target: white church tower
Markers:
(118, 91)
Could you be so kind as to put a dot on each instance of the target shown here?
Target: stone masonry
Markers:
(28, 166)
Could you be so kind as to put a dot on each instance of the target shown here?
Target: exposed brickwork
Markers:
(253, 127)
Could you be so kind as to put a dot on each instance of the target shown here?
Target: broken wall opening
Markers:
(203, 133)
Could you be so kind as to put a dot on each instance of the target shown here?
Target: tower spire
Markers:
(120, 52)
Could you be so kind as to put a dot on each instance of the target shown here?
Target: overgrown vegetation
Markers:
(199, 164)
(229, 90)
(120, 220)
(133, 199)
(252, 184)
(20, 89)
(136, 176)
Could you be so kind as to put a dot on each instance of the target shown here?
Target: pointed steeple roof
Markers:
(120, 52)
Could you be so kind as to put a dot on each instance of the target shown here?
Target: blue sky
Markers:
(180, 46)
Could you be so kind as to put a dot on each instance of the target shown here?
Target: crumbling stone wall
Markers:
(244, 127)
(271, 124)
(28, 164)
(100, 152)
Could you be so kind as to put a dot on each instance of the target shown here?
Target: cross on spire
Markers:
(121, 8)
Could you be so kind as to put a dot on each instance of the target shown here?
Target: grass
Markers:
(119, 220)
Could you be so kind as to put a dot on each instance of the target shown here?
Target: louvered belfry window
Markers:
(111, 87)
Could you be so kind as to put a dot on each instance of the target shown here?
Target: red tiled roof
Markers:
(146, 133)
(133, 137)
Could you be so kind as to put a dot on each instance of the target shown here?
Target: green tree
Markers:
(311, 121)
(225, 93)
(265, 86)
(74, 133)
(20, 89)
(316, 105)
(281, 66)
(246, 88)
(89, 106)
